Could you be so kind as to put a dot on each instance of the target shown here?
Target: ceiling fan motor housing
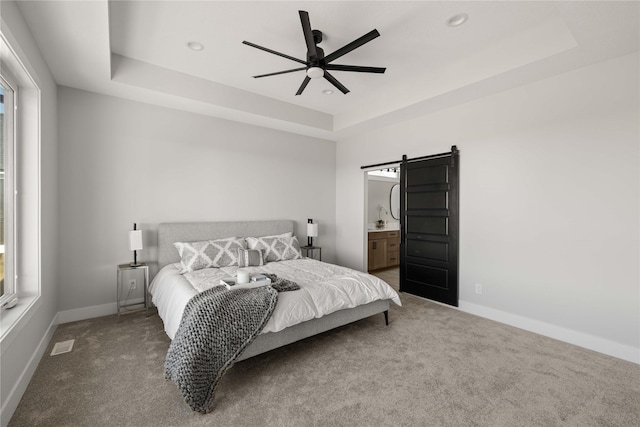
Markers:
(318, 60)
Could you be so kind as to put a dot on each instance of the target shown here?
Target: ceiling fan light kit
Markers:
(315, 72)
(317, 64)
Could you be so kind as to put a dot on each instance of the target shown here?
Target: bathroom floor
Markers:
(391, 276)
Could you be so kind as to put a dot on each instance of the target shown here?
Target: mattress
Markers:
(324, 288)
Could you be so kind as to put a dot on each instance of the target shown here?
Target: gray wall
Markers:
(549, 201)
(379, 193)
(123, 162)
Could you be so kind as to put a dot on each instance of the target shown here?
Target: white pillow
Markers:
(276, 248)
(209, 253)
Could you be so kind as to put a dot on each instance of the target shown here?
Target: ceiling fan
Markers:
(317, 65)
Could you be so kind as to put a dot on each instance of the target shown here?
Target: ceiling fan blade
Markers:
(308, 34)
(356, 68)
(351, 46)
(274, 52)
(304, 84)
(335, 82)
(280, 72)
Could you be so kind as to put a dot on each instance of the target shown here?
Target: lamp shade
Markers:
(135, 240)
(312, 230)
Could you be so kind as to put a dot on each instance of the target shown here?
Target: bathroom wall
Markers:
(379, 191)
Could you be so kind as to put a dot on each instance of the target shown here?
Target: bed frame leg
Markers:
(386, 317)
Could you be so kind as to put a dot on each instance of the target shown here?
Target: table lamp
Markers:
(312, 231)
(135, 244)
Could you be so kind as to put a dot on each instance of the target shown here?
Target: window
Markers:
(7, 190)
(20, 187)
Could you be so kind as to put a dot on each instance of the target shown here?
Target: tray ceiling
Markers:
(138, 50)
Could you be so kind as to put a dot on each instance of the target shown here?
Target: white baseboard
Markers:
(93, 311)
(591, 342)
(13, 399)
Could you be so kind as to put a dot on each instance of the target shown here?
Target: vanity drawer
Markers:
(393, 258)
(393, 244)
(393, 234)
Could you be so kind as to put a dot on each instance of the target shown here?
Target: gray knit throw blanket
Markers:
(280, 284)
(216, 326)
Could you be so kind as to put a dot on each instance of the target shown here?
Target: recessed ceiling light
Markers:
(327, 91)
(457, 20)
(195, 46)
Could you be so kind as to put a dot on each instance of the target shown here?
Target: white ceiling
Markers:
(138, 50)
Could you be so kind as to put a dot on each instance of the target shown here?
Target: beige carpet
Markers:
(432, 366)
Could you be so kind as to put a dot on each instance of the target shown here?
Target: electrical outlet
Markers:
(132, 284)
(479, 288)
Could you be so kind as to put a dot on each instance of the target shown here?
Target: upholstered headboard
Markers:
(168, 233)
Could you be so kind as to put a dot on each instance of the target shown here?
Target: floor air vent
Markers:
(62, 347)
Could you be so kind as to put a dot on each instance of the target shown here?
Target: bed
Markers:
(170, 291)
(211, 327)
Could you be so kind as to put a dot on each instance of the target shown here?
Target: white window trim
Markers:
(27, 201)
(10, 108)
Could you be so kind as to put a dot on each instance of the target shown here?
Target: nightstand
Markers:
(312, 250)
(124, 290)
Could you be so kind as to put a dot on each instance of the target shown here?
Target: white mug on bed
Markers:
(243, 277)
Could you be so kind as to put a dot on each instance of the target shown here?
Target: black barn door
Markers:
(429, 212)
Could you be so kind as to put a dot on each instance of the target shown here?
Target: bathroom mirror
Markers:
(394, 201)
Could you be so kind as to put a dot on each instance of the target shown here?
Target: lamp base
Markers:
(135, 262)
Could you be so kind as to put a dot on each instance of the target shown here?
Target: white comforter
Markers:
(325, 288)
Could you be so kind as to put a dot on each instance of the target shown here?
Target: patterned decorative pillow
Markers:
(250, 257)
(276, 248)
(210, 253)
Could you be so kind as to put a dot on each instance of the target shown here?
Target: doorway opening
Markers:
(382, 224)
(425, 242)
